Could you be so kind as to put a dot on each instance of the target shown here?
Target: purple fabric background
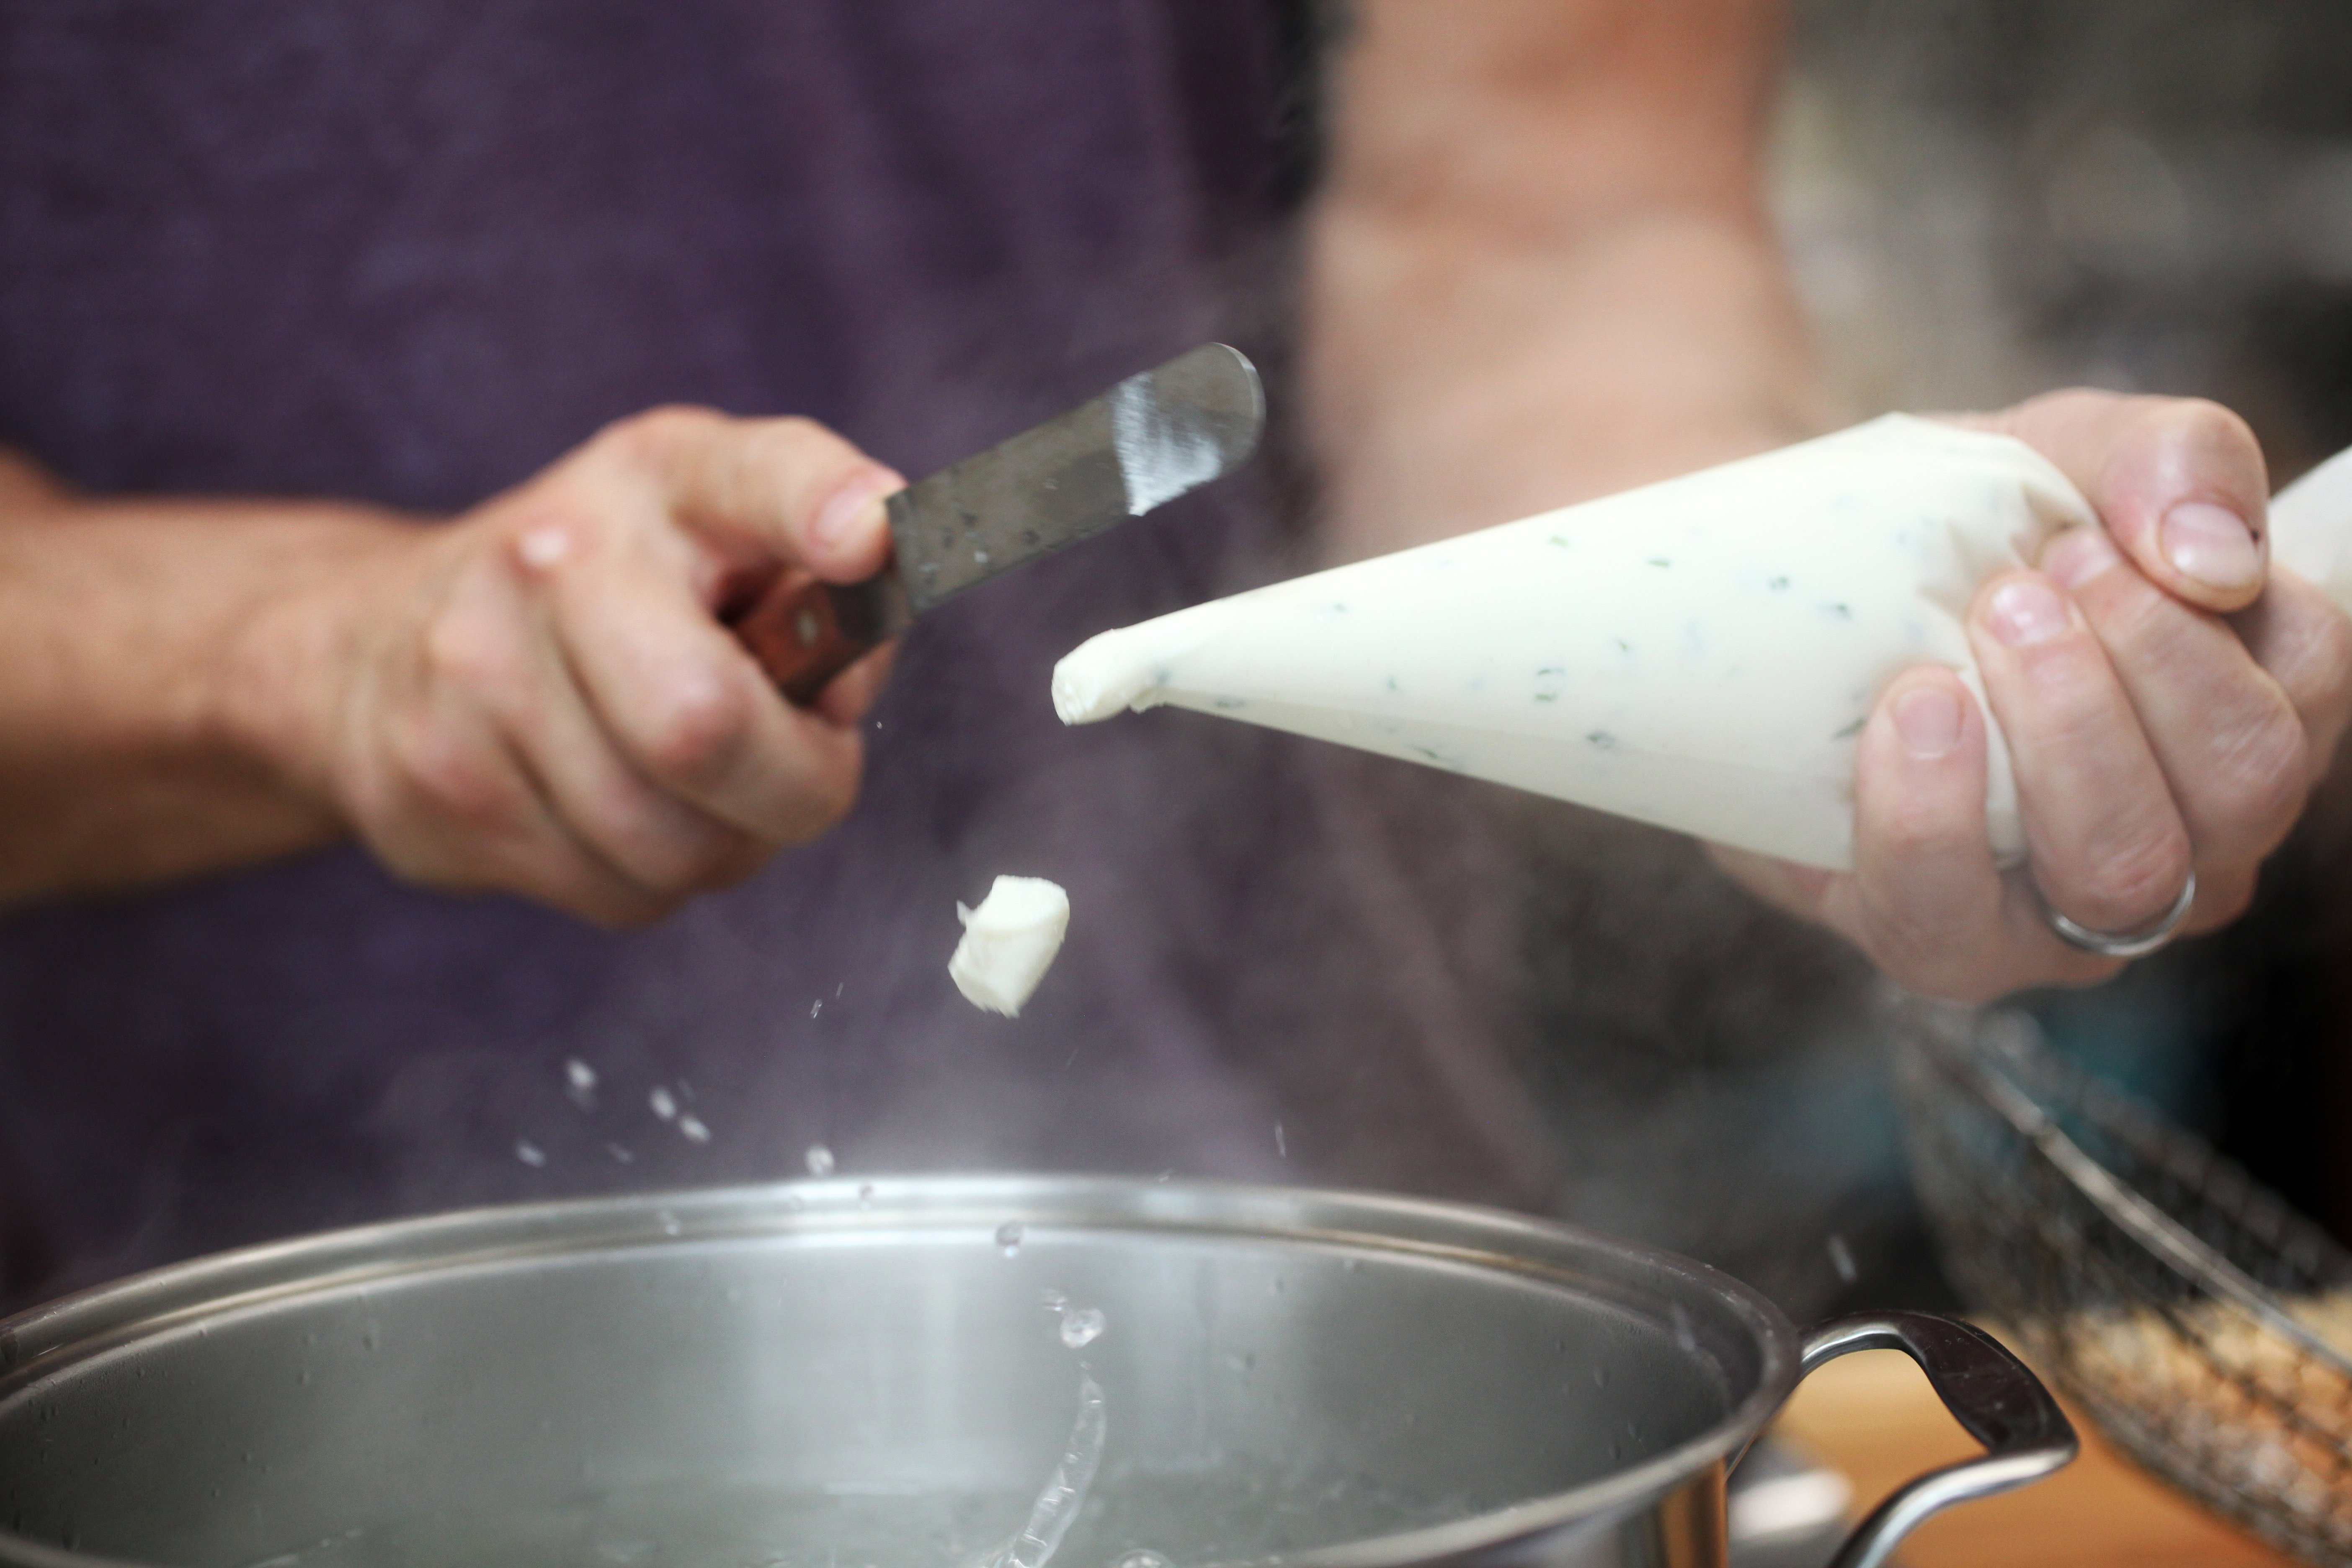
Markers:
(413, 251)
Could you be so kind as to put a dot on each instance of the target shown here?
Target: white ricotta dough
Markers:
(1009, 942)
(1700, 654)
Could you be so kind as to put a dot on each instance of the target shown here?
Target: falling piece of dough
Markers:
(1009, 942)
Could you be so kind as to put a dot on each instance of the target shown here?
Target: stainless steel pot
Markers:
(834, 1376)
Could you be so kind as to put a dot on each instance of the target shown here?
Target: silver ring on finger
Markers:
(2131, 943)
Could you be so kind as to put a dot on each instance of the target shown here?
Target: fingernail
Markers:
(856, 502)
(2079, 555)
(2213, 544)
(1929, 719)
(2026, 612)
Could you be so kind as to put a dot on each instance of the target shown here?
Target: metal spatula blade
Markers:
(1154, 437)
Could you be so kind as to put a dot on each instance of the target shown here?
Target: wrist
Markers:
(284, 694)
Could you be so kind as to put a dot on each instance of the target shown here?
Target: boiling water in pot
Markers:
(879, 1390)
(1132, 1520)
(699, 1524)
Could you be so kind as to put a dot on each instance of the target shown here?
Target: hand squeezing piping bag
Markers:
(1700, 654)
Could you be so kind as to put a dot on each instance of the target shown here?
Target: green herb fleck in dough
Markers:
(1623, 646)
(1555, 539)
(1392, 684)
(1850, 731)
(1601, 739)
(1660, 561)
(1547, 696)
(1779, 584)
(1228, 704)
(1842, 612)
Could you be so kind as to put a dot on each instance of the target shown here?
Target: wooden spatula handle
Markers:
(804, 632)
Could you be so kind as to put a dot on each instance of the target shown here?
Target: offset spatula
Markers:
(1146, 441)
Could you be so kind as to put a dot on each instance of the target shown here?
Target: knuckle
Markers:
(452, 780)
(464, 651)
(2262, 776)
(792, 431)
(2132, 883)
(2210, 427)
(663, 849)
(701, 730)
(2318, 669)
(2074, 690)
(645, 437)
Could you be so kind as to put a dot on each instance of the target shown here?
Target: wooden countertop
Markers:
(1873, 1415)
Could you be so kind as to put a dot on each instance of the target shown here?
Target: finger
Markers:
(458, 810)
(2179, 483)
(2107, 846)
(1926, 900)
(786, 489)
(2229, 741)
(688, 708)
(659, 842)
(851, 695)
(472, 806)
(2297, 633)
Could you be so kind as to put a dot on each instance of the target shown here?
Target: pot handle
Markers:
(1989, 1392)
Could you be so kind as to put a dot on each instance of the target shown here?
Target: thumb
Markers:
(787, 488)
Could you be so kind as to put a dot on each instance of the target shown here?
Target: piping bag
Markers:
(1699, 654)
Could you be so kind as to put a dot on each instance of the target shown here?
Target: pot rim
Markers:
(42, 1341)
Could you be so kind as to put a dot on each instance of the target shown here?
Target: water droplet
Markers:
(820, 1160)
(664, 1103)
(1281, 1145)
(1686, 1339)
(668, 1221)
(1082, 1326)
(1140, 1558)
(620, 1156)
(865, 1195)
(579, 1083)
(1599, 1377)
(1054, 1299)
(1842, 1259)
(691, 1126)
(816, 1007)
(1009, 1235)
(529, 1153)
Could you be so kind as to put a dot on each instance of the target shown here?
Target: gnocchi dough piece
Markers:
(1009, 942)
